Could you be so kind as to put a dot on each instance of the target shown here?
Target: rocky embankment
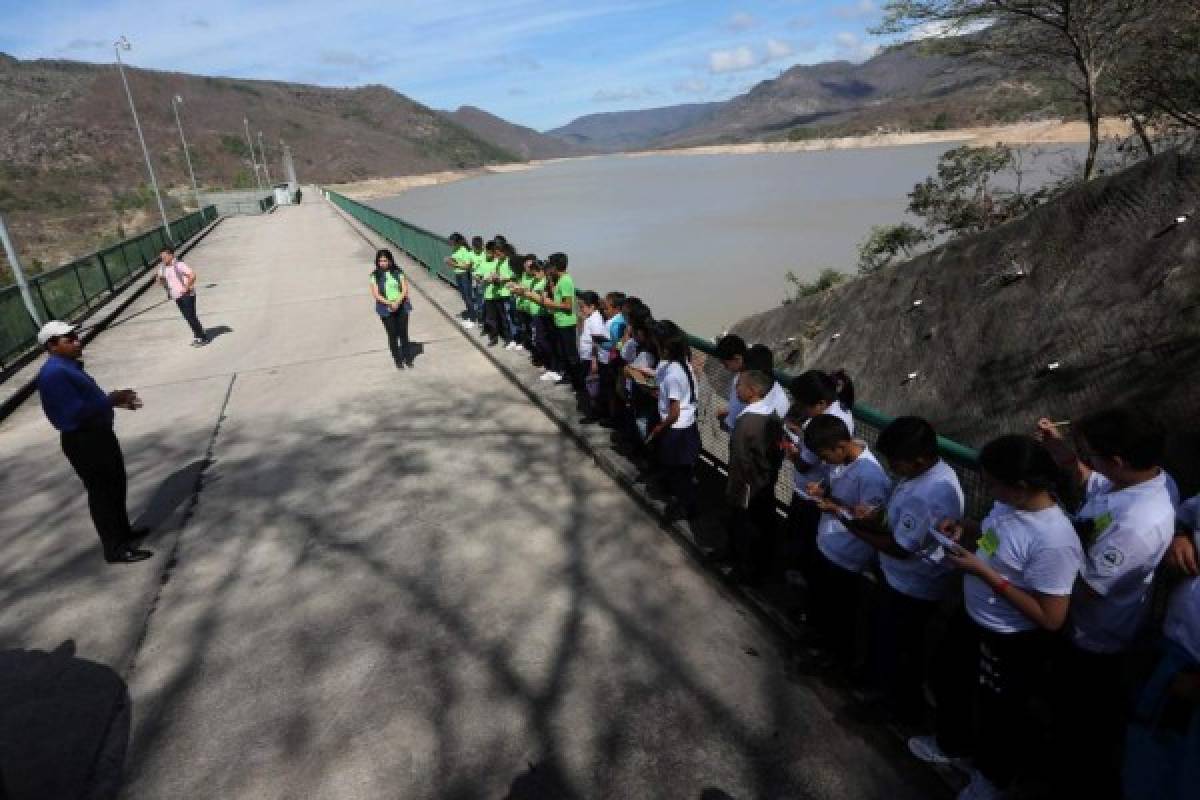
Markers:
(1088, 301)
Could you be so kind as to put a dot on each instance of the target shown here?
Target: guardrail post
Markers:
(82, 290)
(46, 306)
(104, 269)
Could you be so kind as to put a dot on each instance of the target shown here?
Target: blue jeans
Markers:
(467, 290)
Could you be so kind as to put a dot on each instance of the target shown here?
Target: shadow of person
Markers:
(64, 726)
(217, 330)
(539, 782)
(170, 495)
(415, 350)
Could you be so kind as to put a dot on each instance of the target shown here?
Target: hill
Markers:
(901, 88)
(525, 143)
(632, 130)
(71, 170)
(1110, 296)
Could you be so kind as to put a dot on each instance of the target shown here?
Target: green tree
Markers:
(961, 198)
(826, 279)
(886, 243)
(1080, 40)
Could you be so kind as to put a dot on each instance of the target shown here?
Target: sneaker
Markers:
(980, 788)
(510, 346)
(466, 323)
(551, 375)
(519, 346)
(926, 748)
(199, 342)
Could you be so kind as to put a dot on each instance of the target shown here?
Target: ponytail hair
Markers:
(813, 388)
(672, 343)
(844, 389)
(1021, 463)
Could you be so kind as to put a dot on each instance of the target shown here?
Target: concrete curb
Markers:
(93, 329)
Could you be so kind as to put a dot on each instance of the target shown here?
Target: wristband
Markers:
(999, 588)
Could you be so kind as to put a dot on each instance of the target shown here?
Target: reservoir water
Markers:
(704, 239)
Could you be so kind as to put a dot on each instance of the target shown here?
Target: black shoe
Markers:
(492, 342)
(135, 534)
(127, 555)
(410, 363)
(588, 420)
(677, 513)
(399, 364)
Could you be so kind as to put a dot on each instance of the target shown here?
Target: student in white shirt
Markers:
(676, 437)
(856, 480)
(731, 352)
(915, 575)
(1017, 586)
(1126, 523)
(814, 393)
(593, 328)
(1164, 740)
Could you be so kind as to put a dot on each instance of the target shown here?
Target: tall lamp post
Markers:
(176, 102)
(118, 46)
(262, 149)
(253, 162)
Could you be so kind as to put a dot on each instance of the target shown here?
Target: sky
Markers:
(539, 63)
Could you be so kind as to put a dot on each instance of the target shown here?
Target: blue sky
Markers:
(536, 62)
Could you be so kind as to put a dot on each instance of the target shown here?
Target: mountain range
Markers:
(71, 171)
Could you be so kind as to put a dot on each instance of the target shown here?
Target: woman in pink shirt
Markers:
(180, 281)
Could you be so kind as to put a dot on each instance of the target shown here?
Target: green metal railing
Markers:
(72, 290)
(430, 250)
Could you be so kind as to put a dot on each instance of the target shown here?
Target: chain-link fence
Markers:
(70, 291)
(430, 250)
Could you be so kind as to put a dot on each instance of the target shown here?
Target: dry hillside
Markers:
(1110, 294)
(71, 169)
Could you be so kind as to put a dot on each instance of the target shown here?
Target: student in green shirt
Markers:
(492, 307)
(539, 320)
(389, 287)
(477, 258)
(505, 276)
(523, 335)
(462, 262)
(561, 305)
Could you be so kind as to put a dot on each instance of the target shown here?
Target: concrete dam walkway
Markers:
(372, 583)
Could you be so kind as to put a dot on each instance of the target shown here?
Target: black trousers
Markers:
(96, 457)
(982, 682)
(835, 597)
(800, 544)
(542, 355)
(495, 319)
(187, 307)
(752, 532)
(898, 651)
(571, 367)
(396, 325)
(1093, 699)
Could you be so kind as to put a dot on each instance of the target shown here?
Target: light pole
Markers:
(14, 261)
(118, 46)
(176, 101)
(262, 149)
(250, 144)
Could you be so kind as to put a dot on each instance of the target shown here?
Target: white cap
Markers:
(54, 327)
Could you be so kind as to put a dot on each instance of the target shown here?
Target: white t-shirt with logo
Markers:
(1131, 530)
(917, 505)
(1182, 625)
(592, 326)
(819, 471)
(1038, 551)
(861, 482)
(673, 385)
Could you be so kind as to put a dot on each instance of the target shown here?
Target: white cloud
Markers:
(622, 95)
(852, 47)
(734, 60)
(777, 49)
(692, 86)
(741, 21)
(855, 10)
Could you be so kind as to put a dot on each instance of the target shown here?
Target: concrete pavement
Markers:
(383, 584)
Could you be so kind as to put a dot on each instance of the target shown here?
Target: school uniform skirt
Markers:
(679, 447)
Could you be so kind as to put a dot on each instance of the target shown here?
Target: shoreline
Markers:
(1023, 133)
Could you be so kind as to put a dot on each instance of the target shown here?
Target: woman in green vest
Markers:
(389, 287)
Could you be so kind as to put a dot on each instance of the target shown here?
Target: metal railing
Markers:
(70, 291)
(430, 250)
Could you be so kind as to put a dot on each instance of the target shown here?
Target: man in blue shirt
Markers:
(83, 414)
